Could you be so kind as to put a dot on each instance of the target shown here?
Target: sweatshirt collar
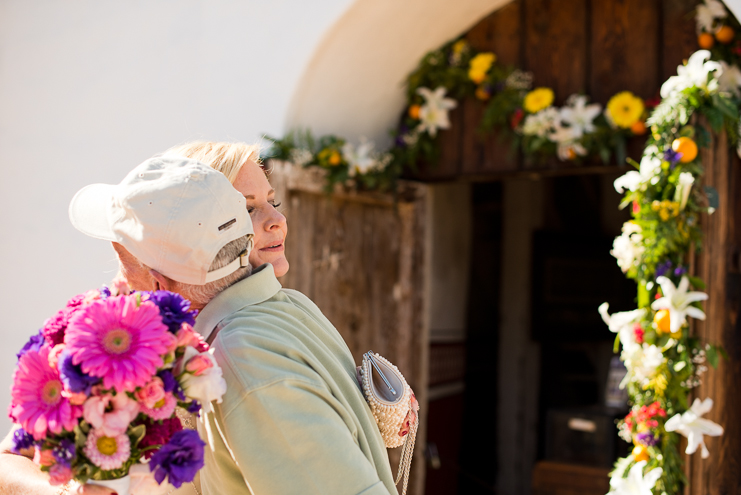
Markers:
(260, 286)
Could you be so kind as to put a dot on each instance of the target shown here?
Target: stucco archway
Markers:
(353, 85)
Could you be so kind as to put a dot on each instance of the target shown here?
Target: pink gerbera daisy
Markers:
(107, 452)
(37, 401)
(118, 340)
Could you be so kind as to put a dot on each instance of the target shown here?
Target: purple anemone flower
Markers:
(179, 459)
(65, 452)
(33, 344)
(21, 440)
(72, 375)
(194, 407)
(174, 309)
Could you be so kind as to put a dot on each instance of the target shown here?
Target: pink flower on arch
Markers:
(37, 402)
(119, 341)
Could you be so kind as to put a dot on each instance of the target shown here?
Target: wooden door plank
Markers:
(718, 266)
(556, 41)
(679, 39)
(501, 34)
(625, 48)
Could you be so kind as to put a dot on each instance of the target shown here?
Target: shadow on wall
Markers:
(354, 83)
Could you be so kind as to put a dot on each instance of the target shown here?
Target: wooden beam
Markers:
(718, 265)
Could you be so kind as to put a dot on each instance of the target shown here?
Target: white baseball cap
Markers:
(174, 214)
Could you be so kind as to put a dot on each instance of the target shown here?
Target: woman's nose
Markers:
(276, 220)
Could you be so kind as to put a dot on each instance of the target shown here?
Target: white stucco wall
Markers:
(90, 88)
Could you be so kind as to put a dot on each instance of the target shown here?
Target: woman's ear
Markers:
(163, 283)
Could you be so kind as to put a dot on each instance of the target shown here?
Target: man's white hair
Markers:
(202, 294)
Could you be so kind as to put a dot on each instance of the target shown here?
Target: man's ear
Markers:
(163, 282)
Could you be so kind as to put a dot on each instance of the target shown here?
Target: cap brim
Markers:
(88, 211)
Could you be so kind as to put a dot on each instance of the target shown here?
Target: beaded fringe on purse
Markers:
(394, 408)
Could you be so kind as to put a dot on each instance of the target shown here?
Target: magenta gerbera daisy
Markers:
(118, 340)
(107, 452)
(37, 402)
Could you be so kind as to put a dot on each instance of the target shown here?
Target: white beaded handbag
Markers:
(392, 401)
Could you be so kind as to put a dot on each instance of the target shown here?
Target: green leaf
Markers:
(697, 282)
(620, 152)
(137, 433)
(712, 355)
(723, 352)
(80, 437)
(712, 195)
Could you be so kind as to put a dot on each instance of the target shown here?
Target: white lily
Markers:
(627, 248)
(692, 426)
(648, 172)
(636, 483)
(730, 79)
(579, 115)
(695, 73)
(684, 187)
(434, 112)
(641, 360)
(622, 323)
(570, 150)
(707, 13)
(363, 158)
(677, 300)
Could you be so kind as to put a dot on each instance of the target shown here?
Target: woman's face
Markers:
(269, 224)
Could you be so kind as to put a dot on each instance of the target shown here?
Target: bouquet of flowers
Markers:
(95, 391)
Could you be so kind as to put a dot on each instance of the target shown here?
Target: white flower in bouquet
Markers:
(697, 73)
(202, 378)
(627, 247)
(622, 323)
(636, 483)
(729, 79)
(691, 425)
(678, 301)
(434, 112)
(707, 13)
(579, 115)
(542, 123)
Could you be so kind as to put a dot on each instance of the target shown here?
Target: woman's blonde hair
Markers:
(227, 158)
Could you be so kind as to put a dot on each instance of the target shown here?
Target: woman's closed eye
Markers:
(251, 209)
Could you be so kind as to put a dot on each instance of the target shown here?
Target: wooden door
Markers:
(361, 258)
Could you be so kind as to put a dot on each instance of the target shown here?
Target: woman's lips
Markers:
(275, 248)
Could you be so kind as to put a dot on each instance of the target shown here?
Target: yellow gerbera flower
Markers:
(480, 65)
(625, 109)
(538, 99)
(459, 46)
